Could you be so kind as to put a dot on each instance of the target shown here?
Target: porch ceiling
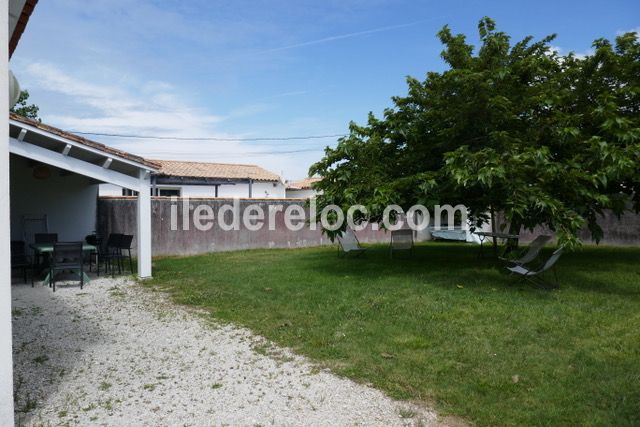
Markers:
(74, 154)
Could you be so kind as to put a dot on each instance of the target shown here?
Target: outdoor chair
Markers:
(94, 256)
(67, 256)
(535, 276)
(531, 253)
(108, 252)
(43, 238)
(20, 259)
(124, 245)
(401, 240)
(349, 244)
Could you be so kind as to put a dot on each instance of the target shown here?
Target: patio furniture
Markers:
(67, 256)
(484, 235)
(124, 245)
(32, 224)
(444, 233)
(349, 244)
(95, 256)
(535, 276)
(532, 252)
(20, 259)
(109, 252)
(47, 248)
(39, 238)
(401, 240)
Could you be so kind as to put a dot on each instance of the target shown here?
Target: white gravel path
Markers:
(119, 354)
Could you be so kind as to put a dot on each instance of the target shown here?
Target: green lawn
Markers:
(442, 327)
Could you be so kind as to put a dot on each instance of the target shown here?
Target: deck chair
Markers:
(349, 244)
(401, 240)
(535, 276)
(532, 252)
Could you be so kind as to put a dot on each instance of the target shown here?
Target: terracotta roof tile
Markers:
(303, 184)
(214, 170)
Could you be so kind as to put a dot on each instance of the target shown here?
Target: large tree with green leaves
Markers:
(515, 128)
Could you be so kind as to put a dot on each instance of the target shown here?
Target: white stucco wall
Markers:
(300, 194)
(260, 190)
(69, 201)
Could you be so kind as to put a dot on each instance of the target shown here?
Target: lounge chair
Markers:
(401, 240)
(535, 275)
(533, 250)
(349, 244)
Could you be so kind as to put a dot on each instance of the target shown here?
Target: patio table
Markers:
(47, 248)
(484, 235)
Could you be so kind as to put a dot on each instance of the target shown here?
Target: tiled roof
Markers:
(89, 143)
(303, 184)
(214, 170)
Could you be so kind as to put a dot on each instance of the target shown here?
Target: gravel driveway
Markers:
(118, 354)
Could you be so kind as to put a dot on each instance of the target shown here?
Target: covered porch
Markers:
(54, 177)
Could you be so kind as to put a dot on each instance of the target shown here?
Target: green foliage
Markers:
(21, 108)
(546, 139)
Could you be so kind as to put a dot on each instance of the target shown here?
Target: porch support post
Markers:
(144, 225)
(6, 364)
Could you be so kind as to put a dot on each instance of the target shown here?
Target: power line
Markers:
(206, 138)
(247, 153)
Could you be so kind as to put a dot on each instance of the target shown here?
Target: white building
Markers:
(202, 179)
(302, 189)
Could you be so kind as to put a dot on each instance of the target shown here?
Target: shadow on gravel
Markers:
(49, 339)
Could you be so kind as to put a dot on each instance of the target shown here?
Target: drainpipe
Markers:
(250, 187)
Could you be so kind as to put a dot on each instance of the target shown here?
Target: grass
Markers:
(442, 327)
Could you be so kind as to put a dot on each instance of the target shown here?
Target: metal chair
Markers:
(108, 252)
(20, 259)
(401, 240)
(125, 245)
(66, 256)
(43, 238)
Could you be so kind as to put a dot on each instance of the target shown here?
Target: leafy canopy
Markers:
(515, 128)
(23, 109)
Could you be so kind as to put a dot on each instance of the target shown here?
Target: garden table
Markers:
(47, 248)
(484, 235)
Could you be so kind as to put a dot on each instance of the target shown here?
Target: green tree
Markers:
(21, 108)
(514, 128)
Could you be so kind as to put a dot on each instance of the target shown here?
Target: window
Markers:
(169, 192)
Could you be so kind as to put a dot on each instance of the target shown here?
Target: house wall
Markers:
(300, 194)
(118, 215)
(68, 200)
(262, 190)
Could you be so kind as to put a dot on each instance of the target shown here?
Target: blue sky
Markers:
(245, 69)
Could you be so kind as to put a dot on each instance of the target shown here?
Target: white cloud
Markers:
(633, 30)
(155, 108)
(151, 107)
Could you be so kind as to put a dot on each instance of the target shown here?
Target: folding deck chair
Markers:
(532, 252)
(535, 276)
(349, 244)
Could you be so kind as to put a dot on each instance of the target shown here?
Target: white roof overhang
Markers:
(64, 153)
